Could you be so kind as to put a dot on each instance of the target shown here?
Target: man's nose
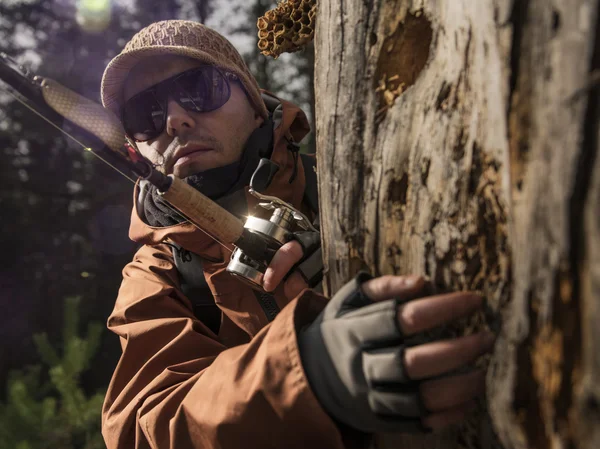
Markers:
(177, 118)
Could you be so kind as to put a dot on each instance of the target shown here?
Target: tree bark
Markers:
(459, 139)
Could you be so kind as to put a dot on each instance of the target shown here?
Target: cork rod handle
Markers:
(204, 212)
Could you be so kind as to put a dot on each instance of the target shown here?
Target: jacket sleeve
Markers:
(176, 386)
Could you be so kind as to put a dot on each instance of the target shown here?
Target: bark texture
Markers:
(459, 139)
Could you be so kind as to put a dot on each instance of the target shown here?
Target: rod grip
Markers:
(85, 113)
(204, 212)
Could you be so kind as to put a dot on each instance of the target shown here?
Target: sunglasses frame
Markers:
(225, 74)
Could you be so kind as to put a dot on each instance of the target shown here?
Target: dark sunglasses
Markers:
(201, 89)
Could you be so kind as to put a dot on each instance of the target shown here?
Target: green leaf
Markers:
(71, 318)
(47, 353)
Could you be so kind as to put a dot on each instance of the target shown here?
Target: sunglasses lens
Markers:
(201, 89)
(143, 116)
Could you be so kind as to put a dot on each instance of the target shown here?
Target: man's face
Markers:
(193, 141)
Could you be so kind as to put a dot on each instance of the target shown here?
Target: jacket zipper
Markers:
(268, 304)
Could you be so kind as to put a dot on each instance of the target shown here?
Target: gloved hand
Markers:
(310, 265)
(298, 263)
(362, 368)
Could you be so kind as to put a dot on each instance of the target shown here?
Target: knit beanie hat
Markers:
(177, 37)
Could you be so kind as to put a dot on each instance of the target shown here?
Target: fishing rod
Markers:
(99, 131)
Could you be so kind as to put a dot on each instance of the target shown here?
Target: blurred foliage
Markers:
(46, 406)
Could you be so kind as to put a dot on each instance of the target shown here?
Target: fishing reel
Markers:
(277, 230)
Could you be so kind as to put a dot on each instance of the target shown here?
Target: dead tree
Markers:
(459, 139)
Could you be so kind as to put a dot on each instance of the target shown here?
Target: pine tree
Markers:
(46, 406)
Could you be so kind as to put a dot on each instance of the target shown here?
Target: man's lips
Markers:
(187, 153)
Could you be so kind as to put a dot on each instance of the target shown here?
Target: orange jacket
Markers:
(177, 384)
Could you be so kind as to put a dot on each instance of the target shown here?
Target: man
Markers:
(313, 374)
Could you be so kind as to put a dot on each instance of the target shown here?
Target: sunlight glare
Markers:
(93, 16)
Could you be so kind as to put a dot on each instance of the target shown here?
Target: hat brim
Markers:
(118, 69)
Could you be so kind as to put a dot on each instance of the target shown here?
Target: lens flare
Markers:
(93, 16)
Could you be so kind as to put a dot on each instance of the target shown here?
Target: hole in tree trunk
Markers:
(403, 56)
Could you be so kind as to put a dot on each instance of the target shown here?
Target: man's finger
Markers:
(427, 313)
(452, 391)
(284, 259)
(388, 287)
(441, 420)
(433, 359)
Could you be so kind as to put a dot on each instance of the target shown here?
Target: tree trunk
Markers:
(459, 139)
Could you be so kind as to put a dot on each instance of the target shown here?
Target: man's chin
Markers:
(184, 170)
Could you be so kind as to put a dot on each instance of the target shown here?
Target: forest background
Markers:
(65, 215)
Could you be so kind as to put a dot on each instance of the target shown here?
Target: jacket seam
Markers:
(293, 355)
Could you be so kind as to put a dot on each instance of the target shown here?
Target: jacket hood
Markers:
(290, 125)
